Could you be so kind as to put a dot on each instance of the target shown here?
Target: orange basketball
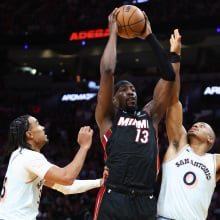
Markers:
(131, 21)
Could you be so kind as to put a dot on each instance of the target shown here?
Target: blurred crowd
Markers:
(59, 16)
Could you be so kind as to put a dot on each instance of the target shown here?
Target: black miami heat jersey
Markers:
(131, 151)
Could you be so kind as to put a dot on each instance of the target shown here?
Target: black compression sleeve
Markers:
(163, 59)
(174, 57)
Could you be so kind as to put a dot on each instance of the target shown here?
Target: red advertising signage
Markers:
(90, 34)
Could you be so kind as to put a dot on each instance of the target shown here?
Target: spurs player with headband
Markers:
(189, 173)
(28, 170)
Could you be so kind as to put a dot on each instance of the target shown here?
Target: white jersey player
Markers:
(189, 173)
(28, 170)
(188, 182)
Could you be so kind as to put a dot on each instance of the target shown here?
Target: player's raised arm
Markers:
(174, 115)
(104, 108)
(157, 107)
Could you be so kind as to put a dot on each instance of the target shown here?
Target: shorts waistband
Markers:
(130, 191)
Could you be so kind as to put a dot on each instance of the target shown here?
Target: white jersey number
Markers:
(142, 136)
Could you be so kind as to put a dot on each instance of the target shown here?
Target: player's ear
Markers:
(115, 102)
(28, 134)
(210, 140)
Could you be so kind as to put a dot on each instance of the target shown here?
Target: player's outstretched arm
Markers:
(174, 115)
(157, 107)
(67, 174)
(104, 107)
(78, 186)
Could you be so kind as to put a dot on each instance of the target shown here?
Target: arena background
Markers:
(45, 74)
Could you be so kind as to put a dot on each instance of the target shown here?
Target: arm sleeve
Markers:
(78, 186)
(162, 57)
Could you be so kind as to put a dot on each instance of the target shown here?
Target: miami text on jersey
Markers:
(133, 122)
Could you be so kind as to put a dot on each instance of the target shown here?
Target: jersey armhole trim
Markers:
(184, 148)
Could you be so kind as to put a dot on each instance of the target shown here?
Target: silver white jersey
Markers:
(188, 182)
(20, 195)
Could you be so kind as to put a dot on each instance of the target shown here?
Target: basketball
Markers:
(131, 21)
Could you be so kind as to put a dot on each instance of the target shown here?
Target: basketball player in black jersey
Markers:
(129, 136)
